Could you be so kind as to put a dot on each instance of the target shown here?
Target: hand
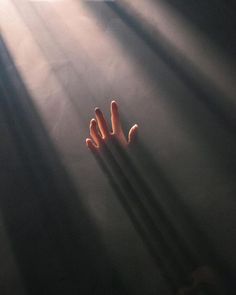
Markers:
(100, 133)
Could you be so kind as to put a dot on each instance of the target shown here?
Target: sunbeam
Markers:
(151, 215)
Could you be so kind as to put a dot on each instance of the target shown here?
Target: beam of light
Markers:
(165, 109)
(217, 99)
(198, 50)
(39, 201)
(43, 79)
(205, 81)
(56, 36)
(87, 38)
(60, 37)
(19, 29)
(36, 44)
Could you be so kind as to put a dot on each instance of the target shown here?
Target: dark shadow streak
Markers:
(141, 198)
(56, 245)
(215, 19)
(153, 238)
(194, 243)
(62, 82)
(126, 195)
(195, 254)
(154, 205)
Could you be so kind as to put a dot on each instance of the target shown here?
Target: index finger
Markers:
(102, 124)
(115, 118)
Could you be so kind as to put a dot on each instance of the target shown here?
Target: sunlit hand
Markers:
(100, 133)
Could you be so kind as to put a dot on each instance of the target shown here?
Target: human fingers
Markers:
(94, 132)
(91, 145)
(132, 133)
(115, 118)
(102, 124)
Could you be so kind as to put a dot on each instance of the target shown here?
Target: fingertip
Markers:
(93, 121)
(114, 105)
(87, 141)
(132, 133)
(90, 144)
(97, 111)
(134, 128)
(102, 124)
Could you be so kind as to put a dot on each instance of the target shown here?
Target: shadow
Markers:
(77, 80)
(184, 250)
(121, 176)
(152, 238)
(215, 19)
(29, 158)
(194, 245)
(56, 245)
(211, 97)
(151, 201)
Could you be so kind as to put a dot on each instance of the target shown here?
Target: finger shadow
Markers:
(187, 235)
(133, 200)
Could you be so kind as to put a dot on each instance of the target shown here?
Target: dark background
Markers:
(171, 67)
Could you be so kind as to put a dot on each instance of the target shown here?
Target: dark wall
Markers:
(64, 228)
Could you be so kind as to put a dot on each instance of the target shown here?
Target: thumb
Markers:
(132, 133)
